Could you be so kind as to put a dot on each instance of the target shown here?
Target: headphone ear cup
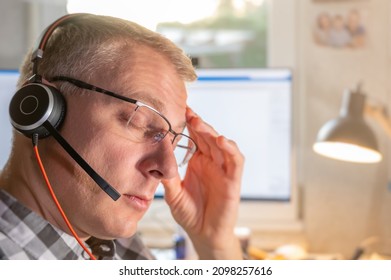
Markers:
(33, 105)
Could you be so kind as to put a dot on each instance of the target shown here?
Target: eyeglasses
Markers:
(146, 124)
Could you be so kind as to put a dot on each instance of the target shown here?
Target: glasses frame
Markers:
(84, 85)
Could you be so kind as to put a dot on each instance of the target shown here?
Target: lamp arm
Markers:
(379, 113)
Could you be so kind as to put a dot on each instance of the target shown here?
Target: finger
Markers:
(195, 126)
(205, 137)
(215, 151)
(233, 158)
(208, 143)
(191, 116)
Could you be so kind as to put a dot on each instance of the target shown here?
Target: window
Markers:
(233, 36)
(215, 33)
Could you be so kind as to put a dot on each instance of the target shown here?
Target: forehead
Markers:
(150, 77)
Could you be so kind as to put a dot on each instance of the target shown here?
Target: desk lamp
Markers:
(348, 137)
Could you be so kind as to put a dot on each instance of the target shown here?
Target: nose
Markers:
(160, 161)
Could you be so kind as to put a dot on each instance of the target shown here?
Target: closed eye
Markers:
(154, 134)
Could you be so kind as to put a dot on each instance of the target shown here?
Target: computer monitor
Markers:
(8, 79)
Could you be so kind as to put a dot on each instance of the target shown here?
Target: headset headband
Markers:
(37, 54)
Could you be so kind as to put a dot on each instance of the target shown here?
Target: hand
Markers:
(206, 202)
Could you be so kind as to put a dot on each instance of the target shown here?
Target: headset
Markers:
(38, 110)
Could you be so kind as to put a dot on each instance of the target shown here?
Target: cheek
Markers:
(103, 216)
(112, 157)
(80, 124)
(91, 135)
(84, 128)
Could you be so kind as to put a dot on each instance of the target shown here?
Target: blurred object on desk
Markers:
(244, 235)
(370, 249)
(163, 253)
(288, 252)
(292, 252)
(284, 252)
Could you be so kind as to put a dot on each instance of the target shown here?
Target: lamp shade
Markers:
(349, 137)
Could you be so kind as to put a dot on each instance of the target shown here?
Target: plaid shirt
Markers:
(26, 235)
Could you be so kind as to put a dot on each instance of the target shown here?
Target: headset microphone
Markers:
(39, 109)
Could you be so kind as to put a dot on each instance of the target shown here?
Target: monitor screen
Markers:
(8, 79)
(253, 107)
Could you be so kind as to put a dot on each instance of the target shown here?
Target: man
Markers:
(85, 59)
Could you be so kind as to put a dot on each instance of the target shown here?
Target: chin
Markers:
(121, 231)
(118, 223)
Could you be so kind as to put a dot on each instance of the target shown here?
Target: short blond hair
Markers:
(91, 44)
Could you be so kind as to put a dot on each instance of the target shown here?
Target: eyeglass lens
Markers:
(147, 126)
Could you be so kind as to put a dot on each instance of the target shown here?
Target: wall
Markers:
(12, 34)
(344, 203)
(21, 23)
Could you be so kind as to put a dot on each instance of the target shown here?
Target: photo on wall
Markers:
(340, 26)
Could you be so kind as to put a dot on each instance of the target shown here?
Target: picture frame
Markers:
(340, 26)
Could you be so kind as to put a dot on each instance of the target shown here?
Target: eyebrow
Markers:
(147, 99)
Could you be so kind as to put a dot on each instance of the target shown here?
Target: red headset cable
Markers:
(42, 168)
